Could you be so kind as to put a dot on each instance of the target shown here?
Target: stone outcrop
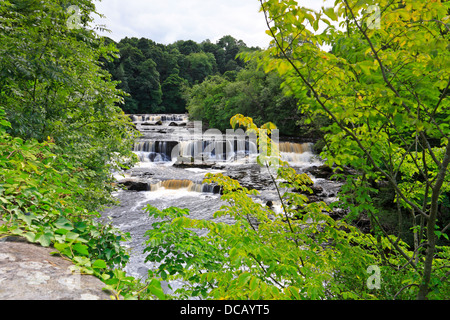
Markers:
(135, 185)
(29, 272)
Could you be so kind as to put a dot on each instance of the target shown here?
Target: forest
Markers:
(207, 80)
(378, 102)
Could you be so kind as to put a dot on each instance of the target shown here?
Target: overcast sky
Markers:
(166, 21)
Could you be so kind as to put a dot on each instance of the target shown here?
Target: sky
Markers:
(166, 21)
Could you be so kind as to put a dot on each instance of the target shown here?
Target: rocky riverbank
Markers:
(30, 272)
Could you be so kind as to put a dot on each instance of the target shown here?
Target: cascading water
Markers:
(299, 154)
(154, 151)
(186, 185)
(175, 159)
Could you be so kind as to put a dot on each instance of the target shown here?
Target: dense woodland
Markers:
(380, 99)
(207, 80)
(155, 74)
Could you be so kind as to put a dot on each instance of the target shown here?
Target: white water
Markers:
(182, 186)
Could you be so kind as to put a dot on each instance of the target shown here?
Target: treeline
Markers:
(248, 91)
(155, 75)
(206, 79)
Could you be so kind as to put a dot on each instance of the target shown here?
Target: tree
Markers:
(139, 77)
(297, 252)
(385, 87)
(200, 66)
(147, 87)
(187, 47)
(173, 98)
(249, 91)
(230, 48)
(52, 86)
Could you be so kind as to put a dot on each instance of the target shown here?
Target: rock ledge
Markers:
(29, 272)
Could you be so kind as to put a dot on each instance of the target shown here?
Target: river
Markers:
(175, 154)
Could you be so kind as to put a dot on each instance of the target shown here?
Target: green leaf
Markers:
(330, 13)
(81, 249)
(45, 239)
(244, 278)
(156, 289)
(64, 223)
(72, 235)
(253, 283)
(99, 264)
(30, 236)
(28, 218)
(5, 123)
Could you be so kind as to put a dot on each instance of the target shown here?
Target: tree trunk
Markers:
(431, 237)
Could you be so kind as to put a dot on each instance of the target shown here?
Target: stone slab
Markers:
(29, 272)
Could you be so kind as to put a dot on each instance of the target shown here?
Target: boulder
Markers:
(29, 272)
(134, 185)
(324, 171)
(152, 123)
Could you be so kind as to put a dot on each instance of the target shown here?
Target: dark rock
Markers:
(134, 185)
(316, 190)
(152, 123)
(313, 198)
(323, 171)
(193, 165)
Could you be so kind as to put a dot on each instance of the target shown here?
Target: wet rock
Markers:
(155, 123)
(135, 185)
(313, 198)
(29, 272)
(316, 190)
(324, 171)
(269, 204)
(188, 164)
(251, 177)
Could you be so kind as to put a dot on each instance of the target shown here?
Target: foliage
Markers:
(249, 91)
(155, 75)
(385, 89)
(39, 201)
(52, 85)
(61, 138)
(297, 252)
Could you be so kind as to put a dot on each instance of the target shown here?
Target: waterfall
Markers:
(185, 184)
(215, 151)
(160, 183)
(154, 151)
(177, 118)
(137, 118)
(290, 147)
(296, 153)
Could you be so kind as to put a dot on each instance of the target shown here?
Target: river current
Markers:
(175, 154)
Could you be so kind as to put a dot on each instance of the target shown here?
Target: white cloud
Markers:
(167, 21)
